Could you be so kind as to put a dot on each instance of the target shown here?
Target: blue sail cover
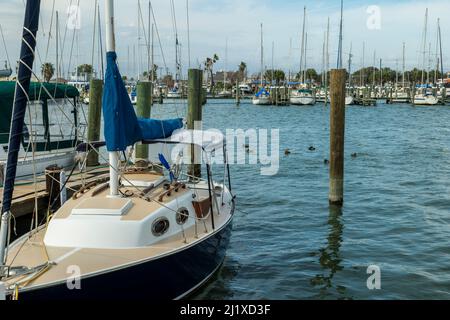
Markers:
(262, 92)
(153, 129)
(121, 125)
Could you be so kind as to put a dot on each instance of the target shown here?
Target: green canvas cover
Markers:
(37, 92)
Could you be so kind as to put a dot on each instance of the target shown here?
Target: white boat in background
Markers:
(302, 97)
(262, 98)
(321, 96)
(400, 96)
(425, 99)
(133, 97)
(174, 93)
(53, 141)
(224, 94)
(349, 100)
(244, 90)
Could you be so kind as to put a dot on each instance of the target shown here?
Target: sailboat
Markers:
(224, 93)
(148, 235)
(423, 95)
(49, 139)
(303, 96)
(262, 97)
(6, 72)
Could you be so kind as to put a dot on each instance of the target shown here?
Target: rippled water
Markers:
(288, 243)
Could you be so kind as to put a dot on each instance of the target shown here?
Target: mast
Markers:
(323, 58)
(94, 37)
(429, 63)
(403, 67)
(424, 44)
(396, 74)
(111, 47)
(273, 52)
(153, 55)
(290, 59)
(226, 65)
(57, 45)
(188, 34)
(327, 60)
(381, 72)
(262, 57)
(440, 49)
(363, 64)
(100, 41)
(306, 46)
(374, 67)
(302, 79)
(149, 49)
(350, 65)
(339, 59)
(30, 28)
(139, 41)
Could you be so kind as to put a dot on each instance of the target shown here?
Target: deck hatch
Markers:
(103, 207)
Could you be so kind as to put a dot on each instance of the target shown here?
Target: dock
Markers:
(27, 194)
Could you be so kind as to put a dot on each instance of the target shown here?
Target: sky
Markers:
(382, 25)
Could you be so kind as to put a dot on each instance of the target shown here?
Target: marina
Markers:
(144, 166)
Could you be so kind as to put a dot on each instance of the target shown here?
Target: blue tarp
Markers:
(262, 92)
(153, 129)
(121, 125)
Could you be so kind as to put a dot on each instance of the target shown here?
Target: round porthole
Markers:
(160, 226)
(182, 216)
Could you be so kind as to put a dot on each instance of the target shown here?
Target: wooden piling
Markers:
(52, 184)
(195, 115)
(95, 118)
(238, 94)
(143, 110)
(337, 134)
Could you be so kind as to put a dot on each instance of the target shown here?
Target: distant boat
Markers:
(262, 98)
(54, 139)
(224, 94)
(174, 93)
(349, 100)
(425, 99)
(244, 90)
(133, 96)
(302, 97)
(5, 73)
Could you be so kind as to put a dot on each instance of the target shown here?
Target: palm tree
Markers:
(209, 65)
(47, 70)
(242, 70)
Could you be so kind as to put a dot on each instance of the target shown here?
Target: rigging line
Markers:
(100, 42)
(93, 36)
(188, 34)
(159, 40)
(73, 41)
(64, 41)
(50, 30)
(141, 18)
(4, 43)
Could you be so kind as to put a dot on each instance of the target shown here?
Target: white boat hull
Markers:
(349, 100)
(262, 101)
(303, 101)
(425, 100)
(27, 167)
